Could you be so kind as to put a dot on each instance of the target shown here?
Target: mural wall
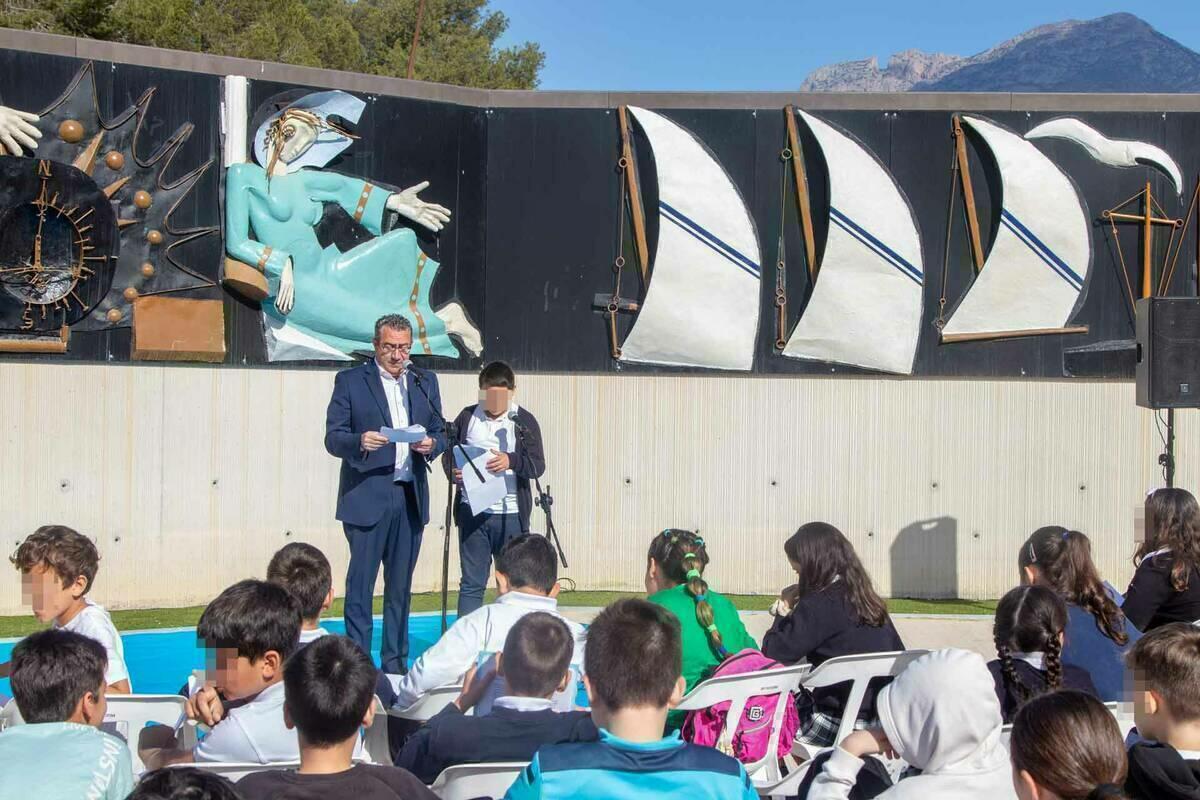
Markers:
(161, 215)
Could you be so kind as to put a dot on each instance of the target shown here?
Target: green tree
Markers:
(457, 43)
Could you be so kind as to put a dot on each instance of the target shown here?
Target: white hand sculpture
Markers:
(286, 297)
(17, 130)
(430, 215)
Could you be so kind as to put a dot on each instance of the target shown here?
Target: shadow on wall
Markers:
(924, 559)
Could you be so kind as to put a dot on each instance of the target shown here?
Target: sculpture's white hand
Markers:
(430, 215)
(286, 297)
(17, 130)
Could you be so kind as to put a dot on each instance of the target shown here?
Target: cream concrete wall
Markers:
(190, 477)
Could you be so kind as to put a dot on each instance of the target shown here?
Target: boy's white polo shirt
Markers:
(96, 624)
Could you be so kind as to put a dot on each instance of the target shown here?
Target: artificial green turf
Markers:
(145, 619)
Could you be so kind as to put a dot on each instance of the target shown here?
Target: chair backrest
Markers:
(858, 671)
(129, 713)
(10, 715)
(429, 704)
(737, 690)
(469, 781)
(236, 770)
(1120, 712)
(375, 738)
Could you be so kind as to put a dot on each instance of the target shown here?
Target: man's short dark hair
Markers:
(537, 653)
(52, 670)
(529, 561)
(1167, 660)
(252, 617)
(304, 571)
(633, 655)
(497, 373)
(183, 783)
(397, 322)
(62, 549)
(327, 687)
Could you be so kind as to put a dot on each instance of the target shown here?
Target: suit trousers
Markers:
(395, 542)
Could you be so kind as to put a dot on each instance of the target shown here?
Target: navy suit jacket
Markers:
(358, 405)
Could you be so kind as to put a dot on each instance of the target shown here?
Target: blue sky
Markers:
(773, 45)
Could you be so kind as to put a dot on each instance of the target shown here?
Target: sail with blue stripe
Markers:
(1038, 264)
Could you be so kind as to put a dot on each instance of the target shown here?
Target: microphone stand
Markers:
(544, 499)
(451, 435)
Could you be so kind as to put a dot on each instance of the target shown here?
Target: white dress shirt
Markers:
(396, 392)
(499, 435)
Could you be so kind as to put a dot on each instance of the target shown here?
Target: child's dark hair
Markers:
(537, 653)
(62, 549)
(821, 555)
(52, 670)
(328, 685)
(529, 561)
(304, 571)
(1173, 522)
(634, 656)
(183, 783)
(497, 373)
(252, 617)
(682, 557)
(1065, 560)
(1030, 619)
(1167, 661)
(1070, 744)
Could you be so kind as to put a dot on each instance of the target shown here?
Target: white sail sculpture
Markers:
(1114, 152)
(865, 307)
(1041, 255)
(701, 308)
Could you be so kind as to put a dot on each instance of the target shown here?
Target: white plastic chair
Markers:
(737, 690)
(236, 770)
(1124, 722)
(10, 715)
(375, 738)
(468, 781)
(429, 703)
(129, 713)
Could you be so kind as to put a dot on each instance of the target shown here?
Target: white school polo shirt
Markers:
(95, 623)
(252, 733)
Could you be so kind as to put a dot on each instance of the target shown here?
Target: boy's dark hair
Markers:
(252, 617)
(328, 686)
(537, 653)
(497, 373)
(304, 571)
(62, 549)
(1030, 619)
(633, 655)
(183, 783)
(52, 670)
(529, 561)
(1167, 660)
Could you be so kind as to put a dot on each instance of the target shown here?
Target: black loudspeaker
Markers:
(1168, 352)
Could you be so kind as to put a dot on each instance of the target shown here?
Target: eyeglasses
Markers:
(388, 349)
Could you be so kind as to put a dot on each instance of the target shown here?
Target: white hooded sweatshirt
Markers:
(941, 715)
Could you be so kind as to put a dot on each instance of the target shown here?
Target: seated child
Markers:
(249, 630)
(1165, 693)
(535, 664)
(304, 571)
(1165, 586)
(941, 716)
(633, 676)
(1066, 744)
(183, 783)
(1097, 633)
(57, 568)
(832, 610)
(527, 577)
(1029, 626)
(329, 691)
(710, 625)
(60, 751)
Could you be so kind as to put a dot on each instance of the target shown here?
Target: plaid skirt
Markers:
(820, 730)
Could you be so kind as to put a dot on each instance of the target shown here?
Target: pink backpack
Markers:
(748, 741)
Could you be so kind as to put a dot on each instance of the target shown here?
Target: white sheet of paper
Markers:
(407, 435)
(481, 495)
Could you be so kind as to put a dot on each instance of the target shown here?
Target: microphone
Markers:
(410, 366)
(512, 417)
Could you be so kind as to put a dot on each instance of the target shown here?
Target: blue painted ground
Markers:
(160, 661)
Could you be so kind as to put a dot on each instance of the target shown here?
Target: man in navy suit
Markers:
(383, 495)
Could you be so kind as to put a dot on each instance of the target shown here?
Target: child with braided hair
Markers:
(1028, 631)
(710, 626)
